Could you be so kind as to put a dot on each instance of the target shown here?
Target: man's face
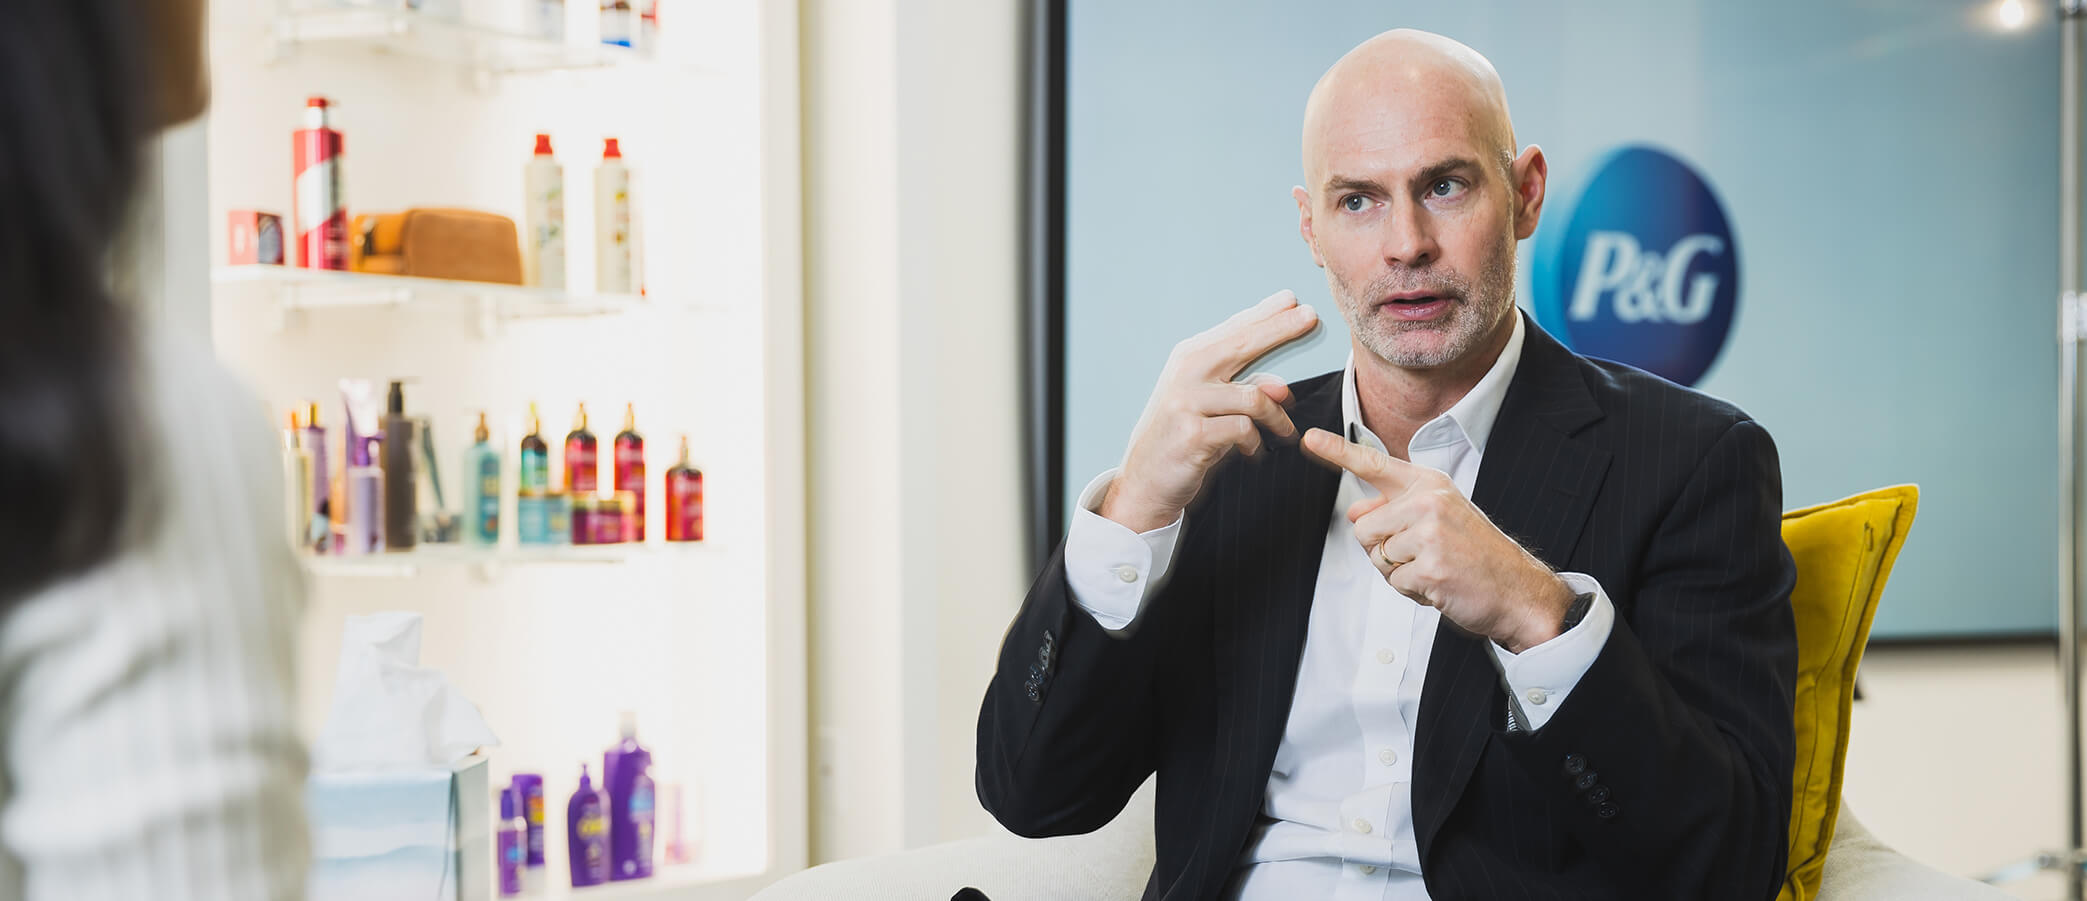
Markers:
(1413, 213)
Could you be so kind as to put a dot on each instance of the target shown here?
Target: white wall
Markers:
(912, 116)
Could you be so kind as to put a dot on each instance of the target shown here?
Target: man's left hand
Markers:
(1434, 546)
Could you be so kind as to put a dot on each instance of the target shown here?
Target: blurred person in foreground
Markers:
(148, 605)
(1480, 619)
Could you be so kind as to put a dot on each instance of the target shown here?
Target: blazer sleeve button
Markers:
(1575, 764)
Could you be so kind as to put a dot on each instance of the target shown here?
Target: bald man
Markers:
(1472, 618)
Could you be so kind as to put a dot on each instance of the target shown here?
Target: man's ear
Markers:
(1531, 176)
(1304, 223)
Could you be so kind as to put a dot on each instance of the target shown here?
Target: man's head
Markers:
(1414, 197)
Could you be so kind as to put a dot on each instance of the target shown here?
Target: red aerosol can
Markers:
(321, 208)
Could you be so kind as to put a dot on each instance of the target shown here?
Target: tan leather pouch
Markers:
(436, 242)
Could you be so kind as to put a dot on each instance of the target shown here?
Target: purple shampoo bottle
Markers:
(514, 829)
(530, 785)
(587, 834)
(630, 804)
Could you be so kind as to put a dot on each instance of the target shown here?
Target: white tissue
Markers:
(389, 712)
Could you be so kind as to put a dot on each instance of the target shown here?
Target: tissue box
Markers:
(402, 834)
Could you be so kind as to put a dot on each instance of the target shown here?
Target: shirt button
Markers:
(1367, 869)
(1127, 573)
(1362, 825)
(1388, 756)
(1384, 655)
(1538, 696)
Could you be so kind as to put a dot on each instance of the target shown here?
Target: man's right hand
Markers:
(1198, 415)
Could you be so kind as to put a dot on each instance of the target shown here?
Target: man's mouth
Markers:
(1414, 306)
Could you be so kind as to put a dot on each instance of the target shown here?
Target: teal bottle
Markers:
(482, 478)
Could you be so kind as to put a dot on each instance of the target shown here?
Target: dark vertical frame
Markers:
(1044, 281)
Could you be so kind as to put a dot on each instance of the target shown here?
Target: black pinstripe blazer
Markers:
(1666, 775)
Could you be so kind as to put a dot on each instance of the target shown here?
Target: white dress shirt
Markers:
(1337, 819)
(148, 732)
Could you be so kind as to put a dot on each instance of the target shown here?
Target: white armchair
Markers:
(1112, 863)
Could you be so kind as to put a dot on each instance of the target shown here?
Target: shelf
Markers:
(414, 34)
(405, 564)
(297, 288)
(668, 883)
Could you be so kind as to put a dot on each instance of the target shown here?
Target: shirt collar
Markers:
(1470, 418)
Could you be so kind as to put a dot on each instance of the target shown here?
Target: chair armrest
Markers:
(1861, 868)
(1108, 864)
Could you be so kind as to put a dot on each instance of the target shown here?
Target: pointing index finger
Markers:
(1388, 474)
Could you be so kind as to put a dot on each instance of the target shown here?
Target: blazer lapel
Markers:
(1268, 529)
(1538, 484)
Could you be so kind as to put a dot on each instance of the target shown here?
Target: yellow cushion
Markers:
(1844, 551)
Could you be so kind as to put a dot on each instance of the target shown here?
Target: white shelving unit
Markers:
(704, 641)
(482, 48)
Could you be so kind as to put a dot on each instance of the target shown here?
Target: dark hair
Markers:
(74, 112)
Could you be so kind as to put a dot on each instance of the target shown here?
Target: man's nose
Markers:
(1409, 238)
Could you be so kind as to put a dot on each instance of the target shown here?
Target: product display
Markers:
(630, 803)
(614, 253)
(321, 204)
(543, 204)
(630, 474)
(587, 833)
(684, 499)
(389, 494)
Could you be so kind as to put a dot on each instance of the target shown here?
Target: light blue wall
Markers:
(1889, 170)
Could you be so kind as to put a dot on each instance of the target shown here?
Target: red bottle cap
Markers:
(543, 145)
(610, 151)
(317, 101)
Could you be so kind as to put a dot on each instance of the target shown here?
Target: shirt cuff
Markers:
(1541, 677)
(1109, 568)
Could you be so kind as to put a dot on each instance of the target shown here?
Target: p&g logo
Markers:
(1645, 271)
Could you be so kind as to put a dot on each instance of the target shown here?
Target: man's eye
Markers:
(1355, 203)
(1448, 187)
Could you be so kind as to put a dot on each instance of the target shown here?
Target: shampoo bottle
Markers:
(530, 787)
(582, 461)
(618, 25)
(630, 804)
(297, 485)
(364, 481)
(630, 474)
(322, 484)
(543, 185)
(401, 519)
(514, 829)
(533, 486)
(587, 834)
(613, 252)
(684, 499)
(482, 481)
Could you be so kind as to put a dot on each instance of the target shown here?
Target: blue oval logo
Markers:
(1645, 271)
